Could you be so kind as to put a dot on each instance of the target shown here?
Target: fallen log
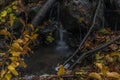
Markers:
(42, 12)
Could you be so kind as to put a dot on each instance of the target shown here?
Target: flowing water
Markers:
(45, 59)
(61, 44)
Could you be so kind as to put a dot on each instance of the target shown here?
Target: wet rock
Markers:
(117, 3)
(83, 11)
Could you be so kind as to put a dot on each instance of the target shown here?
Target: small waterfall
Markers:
(61, 44)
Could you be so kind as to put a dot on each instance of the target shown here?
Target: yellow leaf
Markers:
(82, 19)
(12, 69)
(3, 20)
(14, 58)
(14, 7)
(14, 72)
(115, 54)
(15, 64)
(61, 70)
(14, 3)
(34, 36)
(95, 75)
(3, 13)
(8, 76)
(11, 20)
(99, 65)
(16, 47)
(50, 39)
(113, 75)
(7, 63)
(104, 69)
(9, 10)
(103, 31)
(17, 54)
(19, 41)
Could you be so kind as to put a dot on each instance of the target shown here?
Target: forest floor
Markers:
(104, 65)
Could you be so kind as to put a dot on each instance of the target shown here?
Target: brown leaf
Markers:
(31, 26)
(4, 32)
(113, 47)
(22, 21)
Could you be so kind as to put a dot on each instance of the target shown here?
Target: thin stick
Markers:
(94, 20)
(95, 50)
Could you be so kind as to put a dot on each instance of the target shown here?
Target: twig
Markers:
(95, 50)
(62, 76)
(86, 34)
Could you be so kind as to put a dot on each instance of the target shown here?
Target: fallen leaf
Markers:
(2, 72)
(16, 47)
(11, 20)
(23, 64)
(14, 58)
(3, 13)
(104, 69)
(4, 32)
(8, 76)
(22, 21)
(103, 31)
(12, 69)
(82, 19)
(113, 75)
(17, 54)
(61, 70)
(19, 41)
(95, 75)
(34, 36)
(99, 65)
(31, 26)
